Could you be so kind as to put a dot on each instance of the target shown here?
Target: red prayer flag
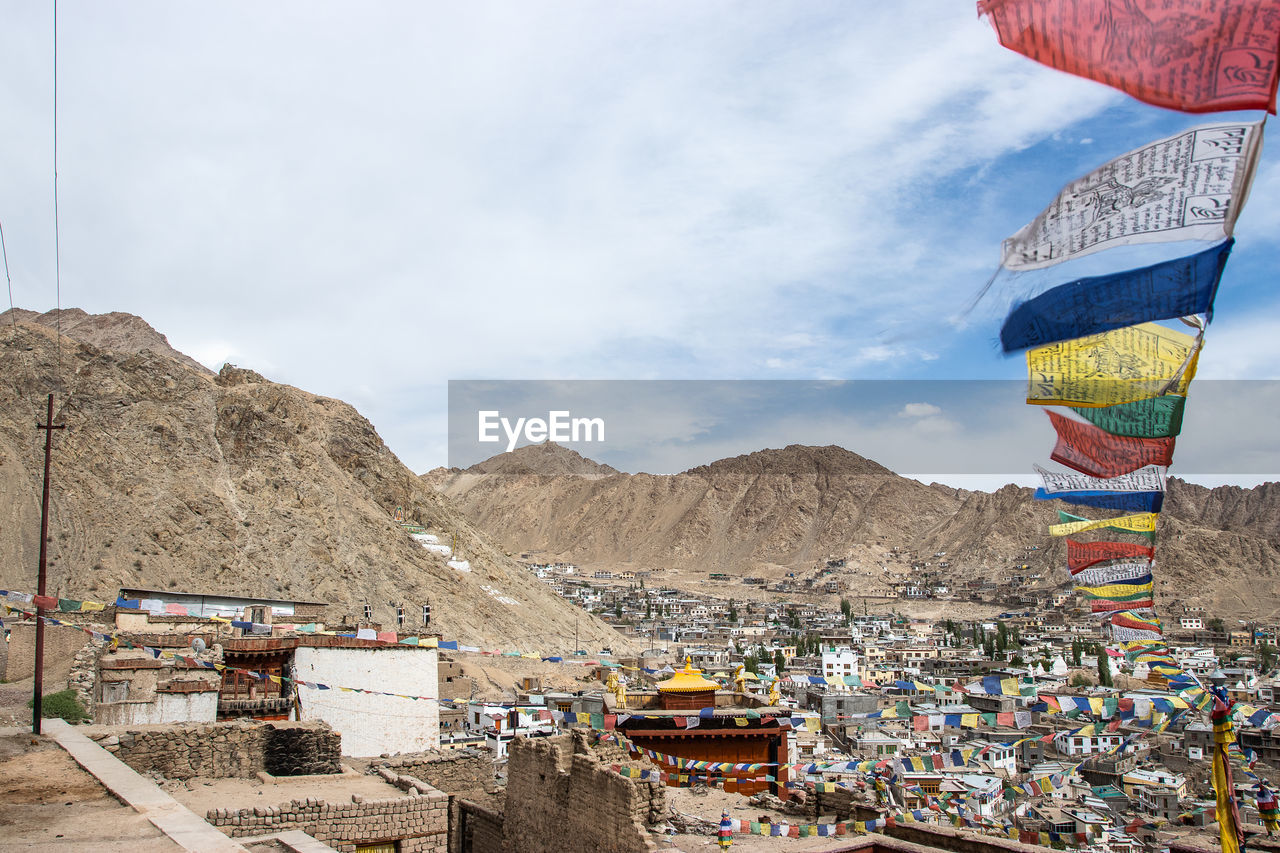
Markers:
(45, 602)
(1196, 56)
(1098, 453)
(1082, 555)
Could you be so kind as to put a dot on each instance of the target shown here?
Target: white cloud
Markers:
(366, 201)
(919, 410)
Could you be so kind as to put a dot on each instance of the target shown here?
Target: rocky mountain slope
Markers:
(169, 477)
(777, 512)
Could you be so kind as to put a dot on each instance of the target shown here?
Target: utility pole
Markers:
(38, 688)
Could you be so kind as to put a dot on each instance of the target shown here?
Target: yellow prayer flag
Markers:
(91, 605)
(812, 723)
(1143, 522)
(968, 721)
(1120, 366)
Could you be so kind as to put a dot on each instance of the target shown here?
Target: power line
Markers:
(13, 314)
(57, 238)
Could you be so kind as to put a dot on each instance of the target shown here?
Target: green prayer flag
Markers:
(1156, 417)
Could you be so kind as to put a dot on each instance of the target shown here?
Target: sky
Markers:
(370, 200)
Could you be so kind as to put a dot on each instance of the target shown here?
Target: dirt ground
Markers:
(48, 803)
(201, 795)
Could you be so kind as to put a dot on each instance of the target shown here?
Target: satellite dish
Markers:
(197, 645)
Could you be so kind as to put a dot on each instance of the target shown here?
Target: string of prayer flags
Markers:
(1115, 367)
(1094, 304)
(1141, 524)
(1097, 453)
(1230, 833)
(1196, 56)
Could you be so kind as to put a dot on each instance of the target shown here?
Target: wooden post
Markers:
(38, 687)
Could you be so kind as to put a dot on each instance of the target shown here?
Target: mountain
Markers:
(117, 331)
(171, 477)
(787, 511)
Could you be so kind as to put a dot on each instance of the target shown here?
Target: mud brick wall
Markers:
(418, 822)
(235, 749)
(454, 772)
(60, 644)
(464, 773)
(561, 798)
(479, 829)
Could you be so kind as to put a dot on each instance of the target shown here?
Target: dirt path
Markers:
(48, 803)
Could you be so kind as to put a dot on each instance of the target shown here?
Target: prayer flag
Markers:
(1095, 304)
(1124, 501)
(1147, 479)
(1097, 453)
(1098, 576)
(1121, 366)
(1196, 56)
(1082, 555)
(1142, 524)
(1157, 417)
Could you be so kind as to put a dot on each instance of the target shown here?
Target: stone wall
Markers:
(84, 673)
(454, 772)
(418, 822)
(562, 799)
(236, 749)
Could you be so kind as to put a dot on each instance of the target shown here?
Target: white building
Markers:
(838, 663)
(372, 723)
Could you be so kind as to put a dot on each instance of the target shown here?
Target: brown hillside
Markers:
(777, 512)
(172, 478)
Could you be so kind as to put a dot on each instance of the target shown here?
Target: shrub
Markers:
(63, 704)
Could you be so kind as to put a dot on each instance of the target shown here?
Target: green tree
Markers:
(1266, 657)
(779, 660)
(733, 612)
(1216, 624)
(846, 610)
(617, 610)
(989, 649)
(1077, 649)
(1017, 660)
(648, 609)
(1104, 670)
(749, 663)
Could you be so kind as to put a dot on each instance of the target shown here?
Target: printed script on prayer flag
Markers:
(1189, 186)
(1191, 55)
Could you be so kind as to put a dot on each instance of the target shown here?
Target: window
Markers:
(400, 616)
(426, 615)
(368, 613)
